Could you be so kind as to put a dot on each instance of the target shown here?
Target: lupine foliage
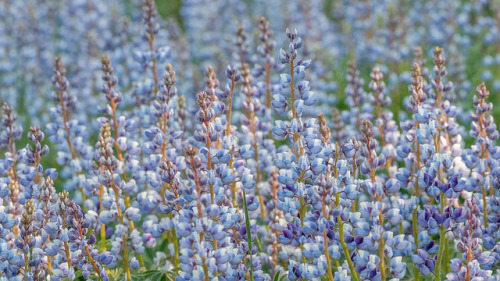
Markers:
(253, 140)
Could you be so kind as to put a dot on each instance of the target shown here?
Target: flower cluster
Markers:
(157, 151)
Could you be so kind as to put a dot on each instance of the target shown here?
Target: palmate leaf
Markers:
(155, 275)
(117, 274)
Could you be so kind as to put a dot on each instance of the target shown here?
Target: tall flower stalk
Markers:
(115, 97)
(417, 97)
(151, 30)
(482, 122)
(67, 103)
(234, 76)
(367, 138)
(440, 90)
(109, 163)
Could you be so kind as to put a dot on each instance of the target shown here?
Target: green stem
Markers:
(414, 215)
(446, 255)
(485, 204)
(176, 248)
(302, 215)
(249, 234)
(346, 250)
(343, 244)
(415, 235)
(440, 253)
(442, 237)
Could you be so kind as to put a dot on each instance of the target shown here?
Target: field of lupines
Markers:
(249, 140)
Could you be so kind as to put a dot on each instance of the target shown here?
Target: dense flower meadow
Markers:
(251, 140)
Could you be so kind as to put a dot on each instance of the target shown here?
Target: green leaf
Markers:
(259, 244)
(277, 276)
(78, 276)
(249, 235)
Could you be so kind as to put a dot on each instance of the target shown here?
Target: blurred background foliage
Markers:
(169, 9)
